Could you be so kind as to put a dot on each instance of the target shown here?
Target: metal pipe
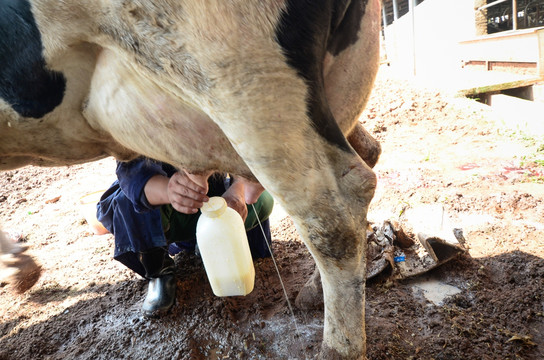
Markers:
(395, 10)
(526, 13)
(384, 16)
(412, 8)
(514, 14)
(492, 4)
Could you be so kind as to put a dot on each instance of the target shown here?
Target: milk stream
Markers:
(223, 246)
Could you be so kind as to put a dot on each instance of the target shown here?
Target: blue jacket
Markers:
(124, 210)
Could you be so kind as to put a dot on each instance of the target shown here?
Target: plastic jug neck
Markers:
(215, 207)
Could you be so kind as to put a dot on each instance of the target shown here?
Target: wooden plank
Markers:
(498, 86)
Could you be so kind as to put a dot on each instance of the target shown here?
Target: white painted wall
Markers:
(520, 46)
(439, 26)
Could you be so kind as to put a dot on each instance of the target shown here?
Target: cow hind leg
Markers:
(335, 186)
(369, 149)
(325, 187)
(328, 205)
(333, 228)
(340, 255)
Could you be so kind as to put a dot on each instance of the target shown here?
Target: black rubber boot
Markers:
(161, 291)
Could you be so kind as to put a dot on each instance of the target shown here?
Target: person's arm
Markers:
(133, 176)
(155, 190)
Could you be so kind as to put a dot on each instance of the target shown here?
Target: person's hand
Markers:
(186, 193)
(234, 196)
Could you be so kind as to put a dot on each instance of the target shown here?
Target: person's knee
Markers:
(264, 206)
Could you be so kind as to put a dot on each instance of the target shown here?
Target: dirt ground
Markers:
(437, 149)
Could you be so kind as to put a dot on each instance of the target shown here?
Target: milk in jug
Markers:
(223, 246)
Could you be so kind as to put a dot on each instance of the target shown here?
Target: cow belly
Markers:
(143, 117)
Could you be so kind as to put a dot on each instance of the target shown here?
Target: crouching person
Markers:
(152, 208)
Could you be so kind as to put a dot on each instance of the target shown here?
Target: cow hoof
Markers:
(310, 296)
(21, 271)
(331, 354)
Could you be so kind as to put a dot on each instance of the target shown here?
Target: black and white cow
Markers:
(266, 89)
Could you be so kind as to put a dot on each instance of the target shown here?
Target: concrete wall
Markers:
(439, 26)
(520, 46)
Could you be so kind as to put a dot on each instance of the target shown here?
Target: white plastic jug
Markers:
(222, 242)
